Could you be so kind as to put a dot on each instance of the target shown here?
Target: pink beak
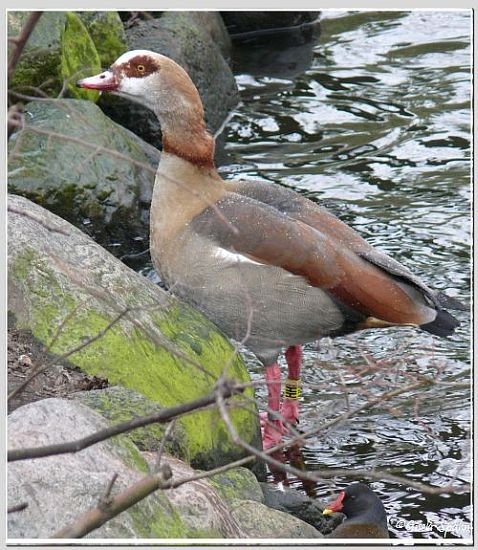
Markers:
(103, 81)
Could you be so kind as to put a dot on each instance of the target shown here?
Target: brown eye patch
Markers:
(139, 66)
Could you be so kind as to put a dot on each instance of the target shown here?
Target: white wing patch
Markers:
(233, 257)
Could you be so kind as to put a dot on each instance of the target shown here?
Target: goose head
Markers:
(159, 83)
(151, 79)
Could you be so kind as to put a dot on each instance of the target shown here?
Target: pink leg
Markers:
(272, 429)
(290, 406)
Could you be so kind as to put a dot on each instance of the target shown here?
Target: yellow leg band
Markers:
(292, 389)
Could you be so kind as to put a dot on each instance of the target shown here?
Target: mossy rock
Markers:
(259, 521)
(60, 488)
(67, 290)
(119, 404)
(107, 32)
(58, 53)
(237, 484)
(75, 161)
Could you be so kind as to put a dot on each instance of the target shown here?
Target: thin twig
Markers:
(105, 500)
(17, 508)
(164, 439)
(14, 118)
(21, 39)
(37, 219)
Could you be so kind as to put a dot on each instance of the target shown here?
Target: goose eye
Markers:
(140, 68)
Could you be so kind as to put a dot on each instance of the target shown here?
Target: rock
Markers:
(58, 53)
(107, 32)
(195, 40)
(58, 489)
(300, 506)
(259, 521)
(237, 484)
(203, 511)
(119, 404)
(242, 24)
(75, 161)
(66, 289)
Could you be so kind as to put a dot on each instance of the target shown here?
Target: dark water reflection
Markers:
(374, 122)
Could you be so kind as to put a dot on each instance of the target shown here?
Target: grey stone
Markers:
(58, 489)
(259, 521)
(201, 506)
(299, 505)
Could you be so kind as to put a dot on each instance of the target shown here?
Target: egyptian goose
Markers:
(365, 516)
(268, 266)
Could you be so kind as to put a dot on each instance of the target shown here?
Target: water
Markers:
(374, 122)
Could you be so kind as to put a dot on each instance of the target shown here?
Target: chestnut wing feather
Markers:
(267, 235)
(300, 208)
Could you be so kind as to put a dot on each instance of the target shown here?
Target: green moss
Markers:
(128, 356)
(37, 70)
(118, 404)
(130, 453)
(163, 522)
(237, 484)
(204, 534)
(22, 265)
(79, 57)
(59, 50)
(107, 32)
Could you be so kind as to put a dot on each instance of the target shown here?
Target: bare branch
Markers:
(14, 119)
(21, 40)
(17, 507)
(105, 499)
(164, 439)
(161, 417)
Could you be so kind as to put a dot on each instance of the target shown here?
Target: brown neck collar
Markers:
(192, 143)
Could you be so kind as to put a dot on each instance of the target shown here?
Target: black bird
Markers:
(365, 516)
